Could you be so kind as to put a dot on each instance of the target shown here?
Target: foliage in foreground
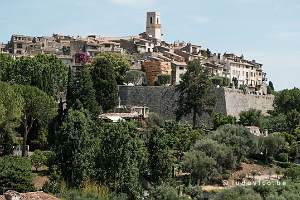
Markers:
(15, 174)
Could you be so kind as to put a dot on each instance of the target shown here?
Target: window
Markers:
(181, 68)
(157, 21)
(151, 20)
(19, 52)
(19, 46)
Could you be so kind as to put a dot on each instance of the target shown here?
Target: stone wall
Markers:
(237, 101)
(162, 100)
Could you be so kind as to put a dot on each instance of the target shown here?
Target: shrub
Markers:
(163, 79)
(38, 159)
(283, 157)
(15, 174)
(293, 172)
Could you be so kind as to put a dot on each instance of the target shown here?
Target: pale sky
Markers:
(267, 31)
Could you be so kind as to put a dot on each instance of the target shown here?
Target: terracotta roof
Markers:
(33, 196)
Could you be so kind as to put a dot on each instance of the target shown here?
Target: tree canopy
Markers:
(39, 108)
(11, 106)
(117, 62)
(105, 84)
(195, 92)
(287, 100)
(120, 159)
(43, 71)
(81, 91)
(15, 174)
(76, 148)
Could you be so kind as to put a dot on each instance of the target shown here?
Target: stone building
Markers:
(2, 48)
(188, 51)
(247, 72)
(155, 68)
(19, 44)
(178, 69)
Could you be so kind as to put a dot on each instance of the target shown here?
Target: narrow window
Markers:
(151, 20)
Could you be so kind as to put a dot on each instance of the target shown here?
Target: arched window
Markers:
(151, 20)
(157, 21)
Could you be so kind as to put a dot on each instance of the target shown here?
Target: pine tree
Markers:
(195, 92)
(81, 92)
(105, 84)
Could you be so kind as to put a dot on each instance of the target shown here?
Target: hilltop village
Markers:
(147, 52)
(136, 117)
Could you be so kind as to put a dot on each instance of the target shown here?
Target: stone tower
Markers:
(153, 25)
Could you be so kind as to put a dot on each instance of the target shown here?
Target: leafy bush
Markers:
(283, 157)
(238, 138)
(220, 119)
(251, 117)
(221, 81)
(136, 77)
(15, 174)
(163, 79)
(293, 172)
(38, 159)
(165, 192)
(237, 193)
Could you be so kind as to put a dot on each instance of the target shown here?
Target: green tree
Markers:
(76, 148)
(80, 89)
(199, 165)
(155, 119)
(163, 192)
(105, 83)
(270, 88)
(274, 123)
(6, 63)
(15, 174)
(181, 136)
(160, 163)
(11, 105)
(220, 81)
(235, 82)
(38, 159)
(271, 145)
(39, 108)
(293, 120)
(251, 117)
(163, 79)
(241, 141)
(136, 77)
(287, 100)
(117, 62)
(220, 120)
(195, 192)
(292, 172)
(195, 92)
(121, 159)
(46, 72)
(220, 152)
(237, 193)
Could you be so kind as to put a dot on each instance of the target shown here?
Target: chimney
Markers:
(11, 195)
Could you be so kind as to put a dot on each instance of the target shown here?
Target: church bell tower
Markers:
(153, 25)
